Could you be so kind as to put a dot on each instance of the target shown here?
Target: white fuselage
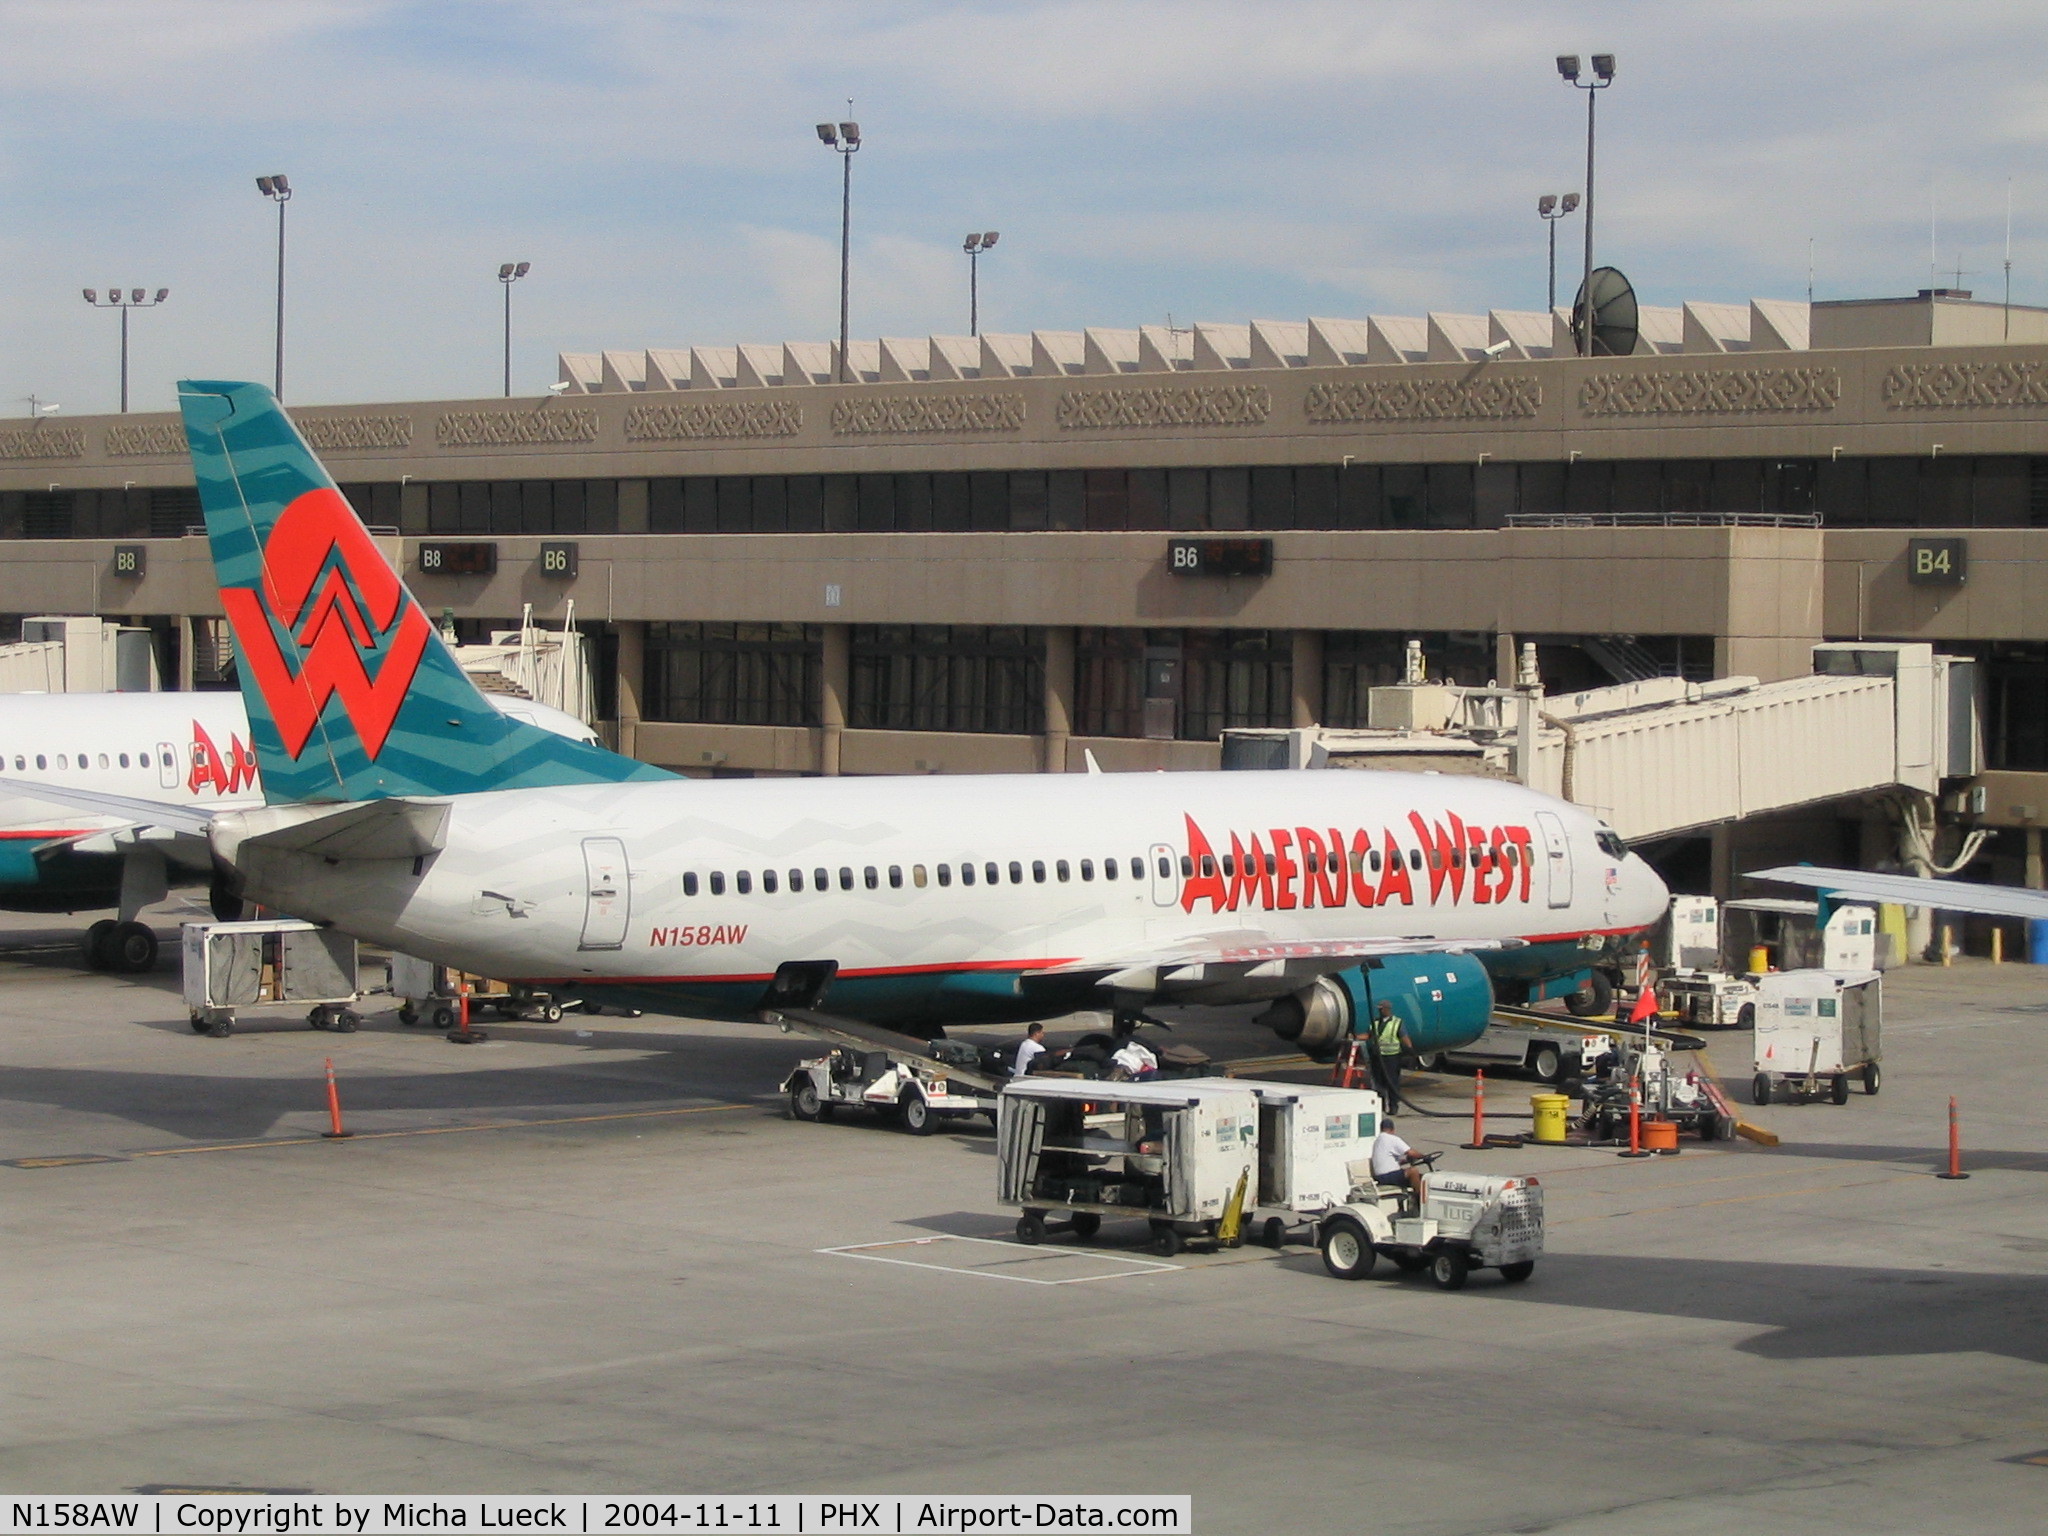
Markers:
(704, 888)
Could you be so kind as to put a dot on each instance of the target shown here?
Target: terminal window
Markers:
(734, 674)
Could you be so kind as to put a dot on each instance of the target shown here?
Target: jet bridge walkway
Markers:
(1664, 756)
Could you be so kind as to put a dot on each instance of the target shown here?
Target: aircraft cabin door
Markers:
(1557, 858)
(608, 894)
(1165, 882)
(167, 765)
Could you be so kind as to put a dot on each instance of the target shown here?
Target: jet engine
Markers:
(1444, 1001)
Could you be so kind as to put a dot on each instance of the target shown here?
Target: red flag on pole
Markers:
(1646, 1005)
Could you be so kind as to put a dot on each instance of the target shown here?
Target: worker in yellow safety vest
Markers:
(1384, 1044)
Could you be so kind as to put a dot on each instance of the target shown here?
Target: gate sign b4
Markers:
(1937, 562)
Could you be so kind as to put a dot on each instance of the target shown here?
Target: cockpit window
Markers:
(1611, 844)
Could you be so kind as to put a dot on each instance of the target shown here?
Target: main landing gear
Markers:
(126, 947)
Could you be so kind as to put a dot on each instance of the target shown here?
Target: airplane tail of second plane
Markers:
(351, 694)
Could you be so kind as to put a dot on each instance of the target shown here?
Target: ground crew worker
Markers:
(1032, 1048)
(1395, 1164)
(1389, 1038)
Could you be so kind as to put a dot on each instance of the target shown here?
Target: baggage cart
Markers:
(918, 1091)
(231, 968)
(429, 996)
(1815, 1030)
(1311, 1142)
(1180, 1155)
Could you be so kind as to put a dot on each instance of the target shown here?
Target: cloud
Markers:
(1216, 158)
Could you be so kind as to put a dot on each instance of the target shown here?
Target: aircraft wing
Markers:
(1912, 891)
(1251, 954)
(140, 813)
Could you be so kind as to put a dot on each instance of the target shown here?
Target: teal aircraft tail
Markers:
(351, 694)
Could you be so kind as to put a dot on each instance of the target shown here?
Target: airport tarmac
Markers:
(598, 1257)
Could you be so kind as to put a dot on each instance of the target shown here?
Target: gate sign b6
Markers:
(1937, 562)
(558, 559)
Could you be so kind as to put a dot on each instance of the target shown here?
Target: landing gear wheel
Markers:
(1871, 1078)
(1516, 1273)
(1031, 1228)
(1594, 998)
(1450, 1269)
(1273, 1233)
(99, 944)
(132, 949)
(1087, 1224)
(916, 1114)
(1347, 1248)
(1435, 1061)
(1546, 1062)
(1166, 1242)
(804, 1103)
(1760, 1088)
(1839, 1089)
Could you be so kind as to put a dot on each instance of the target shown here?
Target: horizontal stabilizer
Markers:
(1912, 891)
(398, 828)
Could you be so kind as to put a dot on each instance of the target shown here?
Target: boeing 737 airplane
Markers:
(83, 778)
(403, 810)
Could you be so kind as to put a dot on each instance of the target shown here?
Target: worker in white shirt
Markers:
(1032, 1048)
(1395, 1164)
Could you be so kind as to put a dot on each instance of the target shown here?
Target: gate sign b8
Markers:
(1937, 562)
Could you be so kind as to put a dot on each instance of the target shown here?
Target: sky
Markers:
(1211, 160)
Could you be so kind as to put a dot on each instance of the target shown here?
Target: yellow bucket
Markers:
(1759, 960)
(1549, 1110)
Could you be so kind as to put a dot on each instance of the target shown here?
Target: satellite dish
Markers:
(1614, 315)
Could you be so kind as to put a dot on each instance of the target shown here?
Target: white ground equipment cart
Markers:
(1181, 1155)
(430, 996)
(1814, 1031)
(233, 967)
(1310, 1140)
(918, 1091)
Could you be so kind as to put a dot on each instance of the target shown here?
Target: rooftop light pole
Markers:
(1550, 208)
(509, 274)
(974, 245)
(134, 298)
(845, 139)
(1603, 76)
(278, 189)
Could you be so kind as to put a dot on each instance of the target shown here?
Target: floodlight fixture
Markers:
(161, 295)
(278, 189)
(508, 274)
(988, 240)
(843, 139)
(1571, 202)
(92, 296)
(1603, 76)
(977, 241)
(124, 299)
(1546, 205)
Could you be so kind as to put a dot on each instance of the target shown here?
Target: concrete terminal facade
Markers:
(962, 561)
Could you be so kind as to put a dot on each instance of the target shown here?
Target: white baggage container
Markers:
(1311, 1141)
(1180, 1154)
(1814, 1031)
(281, 963)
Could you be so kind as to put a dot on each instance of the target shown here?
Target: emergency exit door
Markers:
(608, 894)
(167, 765)
(1557, 858)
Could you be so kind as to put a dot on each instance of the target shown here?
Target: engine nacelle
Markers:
(1444, 1002)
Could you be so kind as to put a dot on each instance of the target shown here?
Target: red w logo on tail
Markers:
(317, 549)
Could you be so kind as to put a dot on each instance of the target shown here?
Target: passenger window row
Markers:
(872, 878)
(85, 760)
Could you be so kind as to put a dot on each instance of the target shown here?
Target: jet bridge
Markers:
(1666, 756)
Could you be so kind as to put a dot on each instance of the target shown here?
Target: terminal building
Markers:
(1005, 553)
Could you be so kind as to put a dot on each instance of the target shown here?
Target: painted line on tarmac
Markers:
(441, 1130)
